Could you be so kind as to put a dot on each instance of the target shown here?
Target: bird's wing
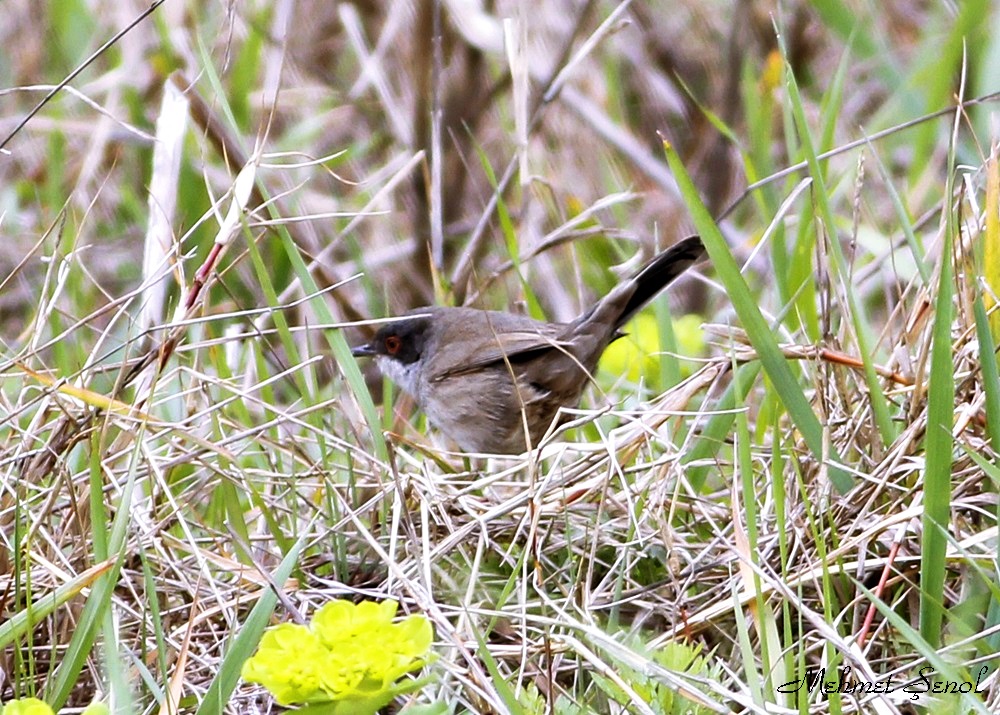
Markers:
(513, 345)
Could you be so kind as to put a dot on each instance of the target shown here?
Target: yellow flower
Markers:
(368, 651)
(689, 335)
(774, 68)
(636, 354)
(26, 706)
(340, 622)
(414, 636)
(288, 664)
(351, 656)
(632, 355)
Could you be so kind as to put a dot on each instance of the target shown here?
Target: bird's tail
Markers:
(659, 273)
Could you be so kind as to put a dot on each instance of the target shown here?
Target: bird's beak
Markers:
(365, 350)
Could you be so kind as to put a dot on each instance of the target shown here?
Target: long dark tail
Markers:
(660, 272)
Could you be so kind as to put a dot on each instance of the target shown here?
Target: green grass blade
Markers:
(991, 387)
(938, 454)
(989, 368)
(499, 682)
(879, 403)
(905, 222)
(58, 690)
(247, 638)
(339, 347)
(18, 624)
(718, 426)
(745, 305)
(927, 650)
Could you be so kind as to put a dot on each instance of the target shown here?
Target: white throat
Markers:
(405, 376)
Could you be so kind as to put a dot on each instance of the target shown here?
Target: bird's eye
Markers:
(392, 344)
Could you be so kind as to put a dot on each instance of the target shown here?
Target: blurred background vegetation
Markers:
(505, 155)
(358, 81)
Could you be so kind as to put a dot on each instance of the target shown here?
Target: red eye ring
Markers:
(392, 344)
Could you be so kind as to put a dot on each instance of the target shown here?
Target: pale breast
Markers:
(482, 412)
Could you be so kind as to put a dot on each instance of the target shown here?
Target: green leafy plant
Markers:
(662, 698)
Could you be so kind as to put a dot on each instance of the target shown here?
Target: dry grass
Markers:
(178, 414)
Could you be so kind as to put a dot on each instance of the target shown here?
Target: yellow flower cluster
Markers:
(34, 706)
(637, 354)
(349, 655)
(26, 706)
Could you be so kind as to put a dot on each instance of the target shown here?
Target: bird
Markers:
(493, 382)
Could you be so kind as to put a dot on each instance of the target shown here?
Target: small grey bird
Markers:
(494, 381)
